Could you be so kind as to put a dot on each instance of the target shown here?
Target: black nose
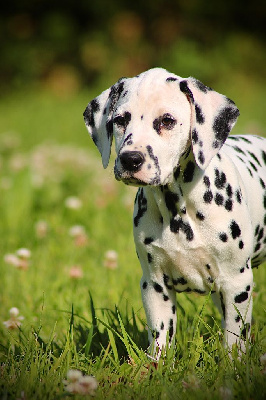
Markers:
(132, 160)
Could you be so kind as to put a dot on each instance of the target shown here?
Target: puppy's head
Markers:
(154, 118)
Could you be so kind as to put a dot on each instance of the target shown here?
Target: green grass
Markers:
(96, 323)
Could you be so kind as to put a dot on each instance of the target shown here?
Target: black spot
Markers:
(144, 285)
(185, 89)
(173, 309)
(255, 158)
(235, 230)
(166, 281)
(183, 210)
(253, 166)
(240, 298)
(88, 114)
(179, 281)
(156, 164)
(222, 304)
(223, 122)
(201, 157)
(189, 172)
(206, 181)
(158, 288)
(199, 115)
(223, 237)
(220, 179)
(245, 139)
(195, 136)
(248, 288)
(166, 298)
(228, 205)
(157, 125)
(150, 258)
(199, 291)
(208, 266)
(177, 172)
(238, 196)
(171, 329)
(219, 199)
(180, 225)
(257, 230)
(142, 206)
(242, 270)
(162, 326)
(171, 200)
(109, 127)
(239, 150)
(241, 245)
(210, 279)
(262, 183)
(201, 86)
(200, 216)
(171, 79)
(208, 196)
(261, 234)
(229, 190)
(148, 240)
(264, 156)
(237, 318)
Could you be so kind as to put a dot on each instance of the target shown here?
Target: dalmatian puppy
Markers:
(200, 211)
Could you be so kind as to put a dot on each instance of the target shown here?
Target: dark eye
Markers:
(123, 120)
(168, 121)
(120, 120)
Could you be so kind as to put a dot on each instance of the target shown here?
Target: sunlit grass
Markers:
(78, 288)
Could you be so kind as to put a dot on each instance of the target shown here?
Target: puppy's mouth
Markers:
(128, 178)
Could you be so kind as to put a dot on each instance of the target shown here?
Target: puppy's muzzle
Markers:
(132, 161)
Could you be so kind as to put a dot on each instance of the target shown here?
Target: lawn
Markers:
(73, 289)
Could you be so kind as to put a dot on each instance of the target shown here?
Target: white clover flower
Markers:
(73, 203)
(76, 383)
(76, 272)
(77, 230)
(15, 319)
(24, 253)
(11, 259)
(111, 259)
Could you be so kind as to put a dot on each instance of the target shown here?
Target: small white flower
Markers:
(74, 375)
(111, 259)
(77, 230)
(15, 319)
(76, 383)
(73, 203)
(76, 272)
(12, 259)
(23, 253)
(14, 312)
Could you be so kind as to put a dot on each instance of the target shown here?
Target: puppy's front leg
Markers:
(234, 301)
(160, 307)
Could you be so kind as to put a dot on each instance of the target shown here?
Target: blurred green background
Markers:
(63, 45)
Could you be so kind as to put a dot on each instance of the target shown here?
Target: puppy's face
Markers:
(154, 117)
(151, 126)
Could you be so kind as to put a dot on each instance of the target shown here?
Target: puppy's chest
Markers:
(171, 242)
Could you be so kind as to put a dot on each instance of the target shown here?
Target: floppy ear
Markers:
(213, 117)
(98, 117)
